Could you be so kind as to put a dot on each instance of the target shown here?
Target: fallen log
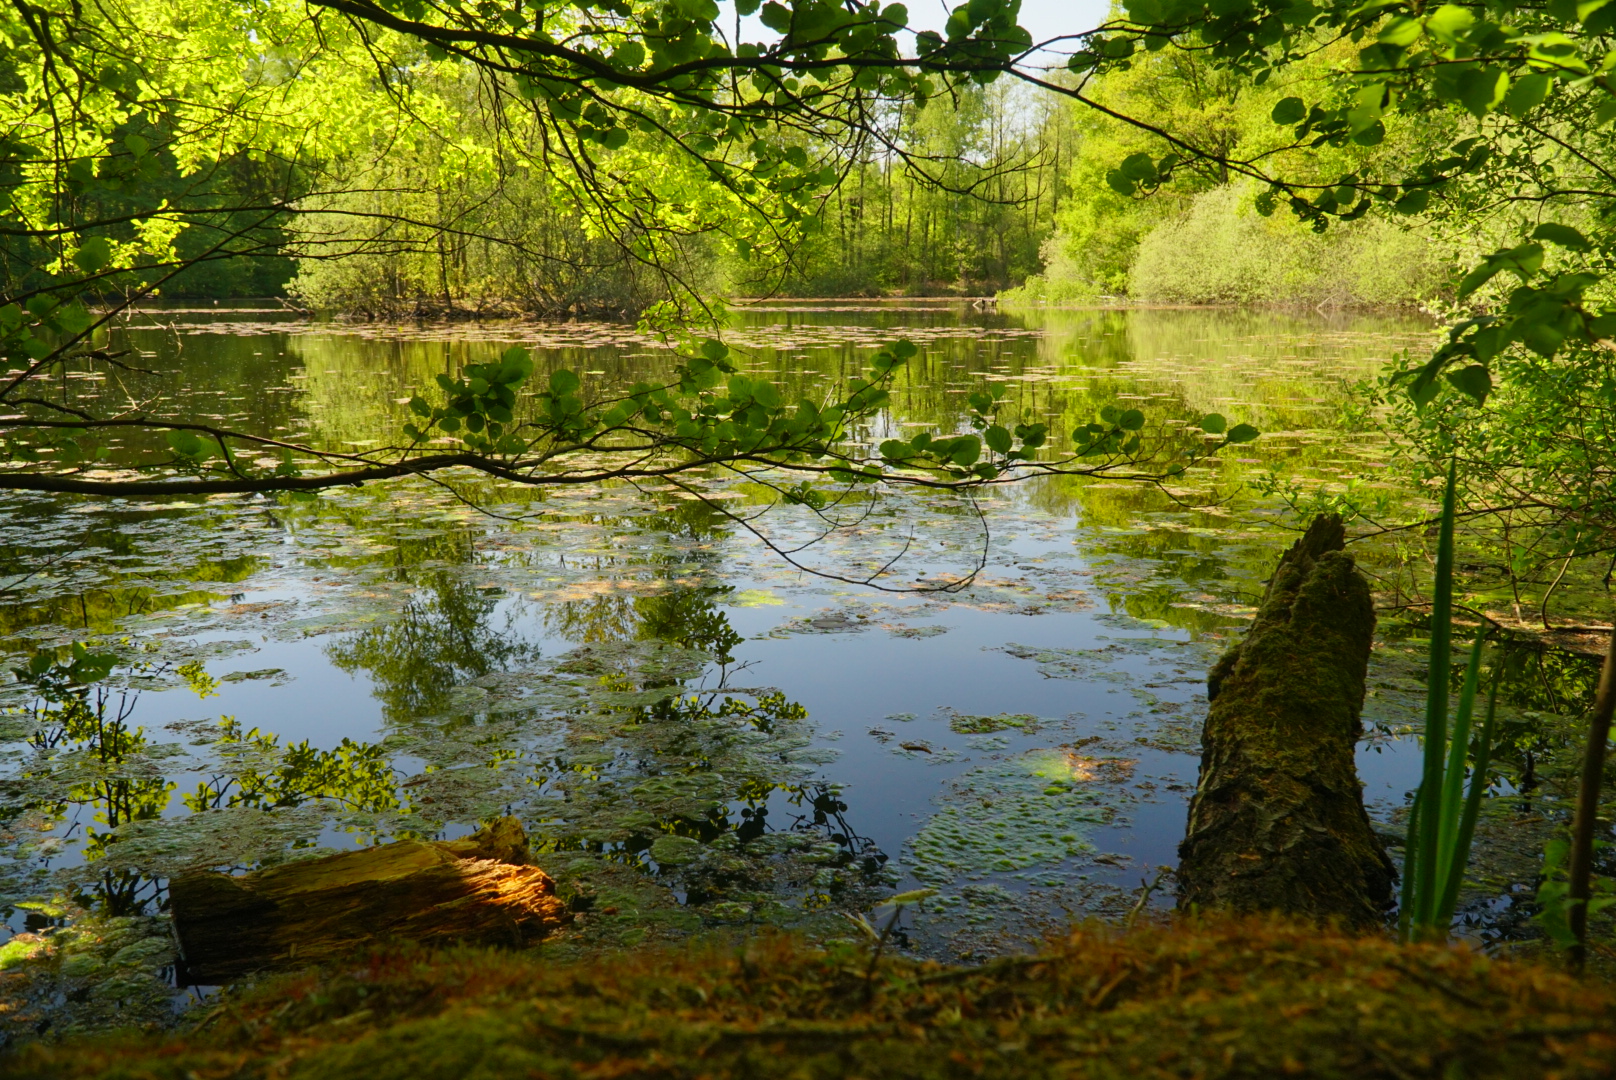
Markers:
(1277, 822)
(480, 889)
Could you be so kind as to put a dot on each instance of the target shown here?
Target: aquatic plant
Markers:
(1443, 819)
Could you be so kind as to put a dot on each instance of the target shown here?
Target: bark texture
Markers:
(1277, 822)
(475, 890)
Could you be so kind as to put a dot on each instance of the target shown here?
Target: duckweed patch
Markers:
(987, 725)
(1034, 810)
(91, 974)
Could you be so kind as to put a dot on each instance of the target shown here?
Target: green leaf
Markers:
(1138, 167)
(1119, 183)
(1373, 135)
(1482, 89)
(776, 17)
(998, 439)
(1527, 93)
(1291, 110)
(563, 382)
(74, 319)
(1564, 235)
(1213, 423)
(1401, 31)
(1413, 202)
(1474, 380)
(966, 450)
(515, 365)
(186, 444)
(1449, 22)
(1241, 433)
(896, 450)
(1132, 420)
(93, 255)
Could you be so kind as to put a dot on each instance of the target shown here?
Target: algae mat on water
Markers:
(1216, 999)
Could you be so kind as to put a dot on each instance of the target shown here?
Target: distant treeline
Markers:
(994, 191)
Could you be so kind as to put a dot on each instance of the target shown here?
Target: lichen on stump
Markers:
(1277, 822)
(478, 890)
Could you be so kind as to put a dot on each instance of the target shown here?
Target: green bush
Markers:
(1221, 251)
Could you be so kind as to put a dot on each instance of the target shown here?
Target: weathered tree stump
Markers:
(476, 890)
(1277, 822)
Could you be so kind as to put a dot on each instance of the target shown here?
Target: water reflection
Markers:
(79, 778)
(652, 693)
(444, 637)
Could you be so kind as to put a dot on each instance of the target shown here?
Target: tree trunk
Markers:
(1277, 821)
(478, 889)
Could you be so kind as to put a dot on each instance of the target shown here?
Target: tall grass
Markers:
(1443, 821)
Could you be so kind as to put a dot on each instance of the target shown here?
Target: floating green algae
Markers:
(966, 724)
(1036, 809)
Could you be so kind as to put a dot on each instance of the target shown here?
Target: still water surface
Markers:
(695, 733)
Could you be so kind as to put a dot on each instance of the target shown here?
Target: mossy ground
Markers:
(1226, 998)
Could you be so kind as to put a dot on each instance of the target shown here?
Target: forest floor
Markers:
(1193, 998)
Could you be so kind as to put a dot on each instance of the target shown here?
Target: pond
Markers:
(696, 733)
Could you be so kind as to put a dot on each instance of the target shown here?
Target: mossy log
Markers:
(480, 889)
(1277, 822)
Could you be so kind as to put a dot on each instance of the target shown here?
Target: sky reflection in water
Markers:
(1026, 747)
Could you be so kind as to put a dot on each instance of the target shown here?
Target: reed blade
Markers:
(1436, 705)
(1472, 807)
(1452, 801)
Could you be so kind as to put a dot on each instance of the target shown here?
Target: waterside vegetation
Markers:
(632, 158)
(1213, 998)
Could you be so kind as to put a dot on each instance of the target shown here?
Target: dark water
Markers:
(692, 730)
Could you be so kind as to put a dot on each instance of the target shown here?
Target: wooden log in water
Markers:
(480, 889)
(1277, 822)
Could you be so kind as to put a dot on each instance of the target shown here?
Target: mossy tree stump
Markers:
(1277, 822)
(475, 890)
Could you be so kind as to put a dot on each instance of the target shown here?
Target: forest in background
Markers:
(991, 190)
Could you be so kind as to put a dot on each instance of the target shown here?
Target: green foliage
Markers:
(1442, 821)
(1554, 894)
(1222, 251)
(1163, 213)
(1530, 73)
(482, 399)
(712, 411)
